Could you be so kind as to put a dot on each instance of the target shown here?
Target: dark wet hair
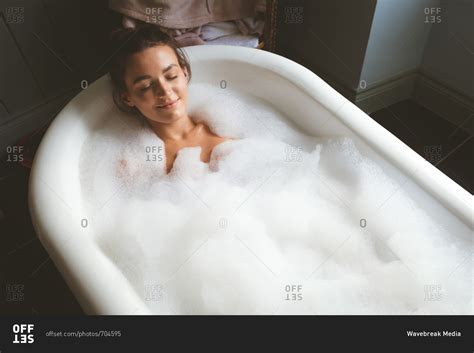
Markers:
(133, 40)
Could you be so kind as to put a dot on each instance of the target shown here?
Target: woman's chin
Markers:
(168, 118)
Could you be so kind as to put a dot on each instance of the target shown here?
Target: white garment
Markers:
(227, 33)
(235, 39)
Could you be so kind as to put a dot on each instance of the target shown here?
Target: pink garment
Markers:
(180, 14)
(219, 19)
(185, 37)
(250, 25)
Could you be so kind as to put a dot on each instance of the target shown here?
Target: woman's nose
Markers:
(162, 89)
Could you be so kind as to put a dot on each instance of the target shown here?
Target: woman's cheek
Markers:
(147, 103)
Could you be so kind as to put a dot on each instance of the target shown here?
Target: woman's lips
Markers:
(168, 105)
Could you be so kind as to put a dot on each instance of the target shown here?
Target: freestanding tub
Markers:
(55, 191)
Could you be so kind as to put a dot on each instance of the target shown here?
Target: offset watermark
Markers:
(14, 292)
(293, 15)
(293, 292)
(154, 153)
(433, 292)
(153, 292)
(433, 153)
(84, 223)
(293, 154)
(23, 333)
(15, 153)
(223, 222)
(432, 14)
(154, 15)
(15, 15)
(82, 333)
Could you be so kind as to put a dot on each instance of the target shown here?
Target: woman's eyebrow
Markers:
(140, 78)
(146, 77)
(169, 67)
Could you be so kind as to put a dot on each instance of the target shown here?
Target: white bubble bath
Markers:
(278, 222)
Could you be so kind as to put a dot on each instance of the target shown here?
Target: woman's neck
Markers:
(174, 132)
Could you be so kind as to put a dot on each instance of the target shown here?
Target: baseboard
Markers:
(387, 92)
(441, 99)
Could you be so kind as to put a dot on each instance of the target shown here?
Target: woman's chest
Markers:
(207, 145)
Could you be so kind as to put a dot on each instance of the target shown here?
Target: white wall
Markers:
(397, 39)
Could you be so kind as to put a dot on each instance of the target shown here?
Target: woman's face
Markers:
(156, 84)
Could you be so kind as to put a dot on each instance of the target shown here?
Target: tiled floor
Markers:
(443, 144)
(31, 283)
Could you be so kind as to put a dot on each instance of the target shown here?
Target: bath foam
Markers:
(277, 222)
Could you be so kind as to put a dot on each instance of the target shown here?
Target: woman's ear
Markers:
(126, 99)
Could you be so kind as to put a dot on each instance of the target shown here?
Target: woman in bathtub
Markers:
(150, 77)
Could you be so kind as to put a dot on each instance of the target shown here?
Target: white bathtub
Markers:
(55, 192)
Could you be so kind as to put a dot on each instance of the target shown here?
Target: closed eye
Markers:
(147, 87)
